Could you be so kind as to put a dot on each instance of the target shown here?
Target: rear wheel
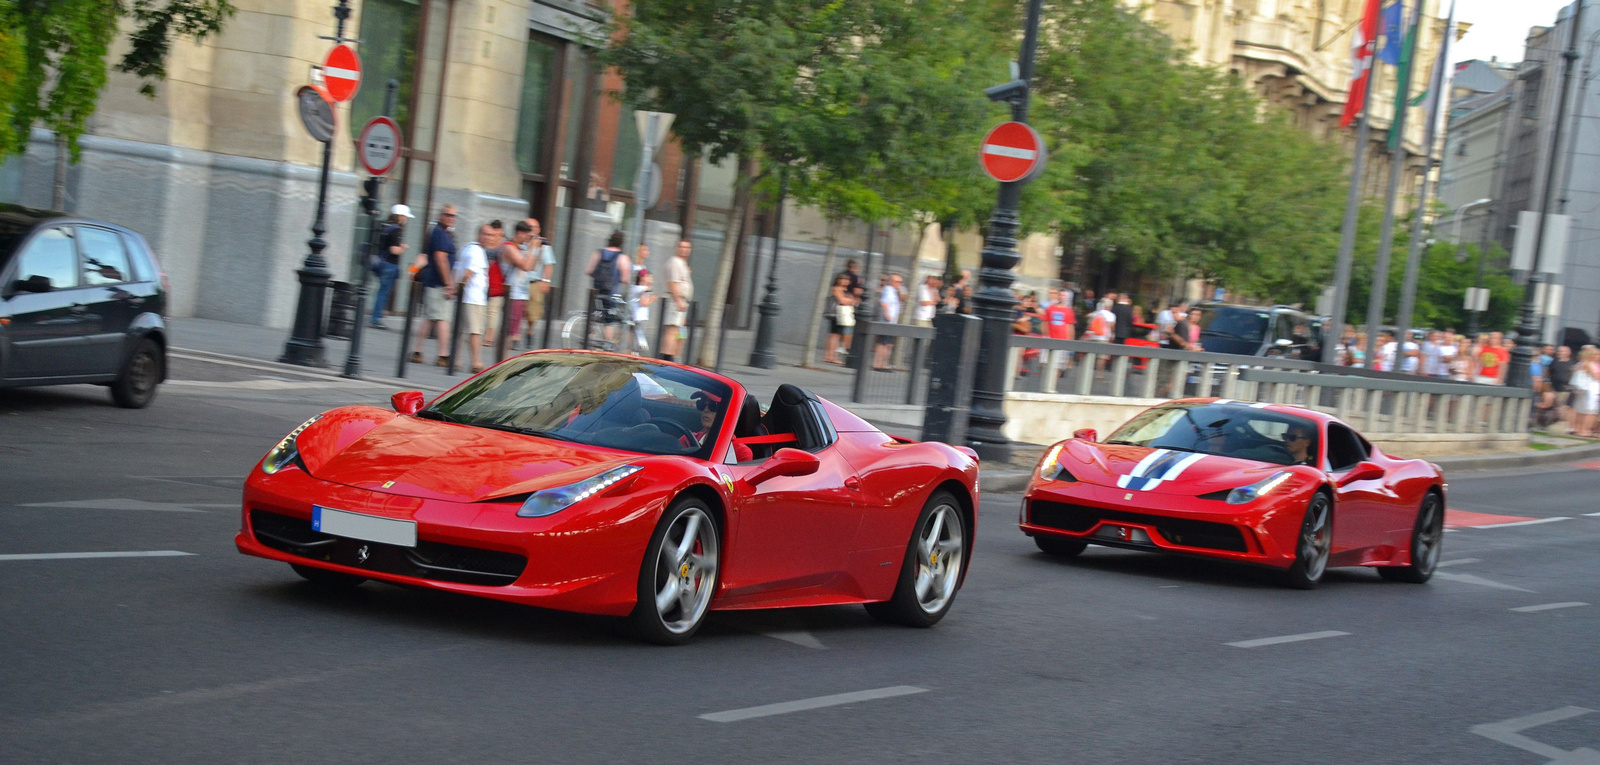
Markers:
(1313, 546)
(1059, 547)
(134, 388)
(1426, 542)
(332, 580)
(678, 575)
(931, 571)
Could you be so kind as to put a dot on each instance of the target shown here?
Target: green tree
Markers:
(53, 57)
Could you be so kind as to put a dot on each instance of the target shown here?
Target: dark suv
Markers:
(1250, 330)
(81, 301)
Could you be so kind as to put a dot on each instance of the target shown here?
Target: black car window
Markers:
(50, 254)
(1241, 323)
(1226, 429)
(1345, 448)
(105, 259)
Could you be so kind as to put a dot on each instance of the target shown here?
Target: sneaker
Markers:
(376, 325)
(443, 361)
(416, 358)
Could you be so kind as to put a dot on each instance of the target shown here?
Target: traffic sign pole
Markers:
(374, 162)
(993, 301)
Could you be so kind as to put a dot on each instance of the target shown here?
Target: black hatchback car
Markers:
(81, 301)
(1269, 331)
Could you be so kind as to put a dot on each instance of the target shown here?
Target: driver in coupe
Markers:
(1300, 441)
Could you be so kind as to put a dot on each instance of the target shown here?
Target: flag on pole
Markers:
(1389, 27)
(1402, 92)
(1438, 96)
(1362, 47)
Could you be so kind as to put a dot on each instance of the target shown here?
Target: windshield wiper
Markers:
(435, 414)
(1120, 442)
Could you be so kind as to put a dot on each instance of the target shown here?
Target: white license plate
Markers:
(342, 523)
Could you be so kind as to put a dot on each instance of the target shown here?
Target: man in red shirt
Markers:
(1060, 323)
(1492, 360)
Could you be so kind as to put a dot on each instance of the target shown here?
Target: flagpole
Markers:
(1352, 208)
(1437, 94)
(1397, 161)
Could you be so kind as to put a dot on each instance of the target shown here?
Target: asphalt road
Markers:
(1115, 657)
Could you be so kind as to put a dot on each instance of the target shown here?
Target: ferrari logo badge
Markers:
(387, 484)
(1129, 495)
(683, 570)
(934, 559)
(363, 554)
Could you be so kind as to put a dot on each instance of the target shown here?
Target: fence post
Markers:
(919, 353)
(688, 327)
(588, 318)
(1180, 380)
(861, 361)
(1152, 370)
(552, 298)
(1085, 380)
(1119, 375)
(455, 334)
(722, 338)
(413, 297)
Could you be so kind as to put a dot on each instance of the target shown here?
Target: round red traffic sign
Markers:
(341, 73)
(1012, 152)
(379, 146)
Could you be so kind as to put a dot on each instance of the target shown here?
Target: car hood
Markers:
(1160, 471)
(377, 450)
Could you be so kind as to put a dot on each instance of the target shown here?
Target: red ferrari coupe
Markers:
(1279, 486)
(618, 485)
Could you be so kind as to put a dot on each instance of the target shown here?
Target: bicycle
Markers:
(620, 310)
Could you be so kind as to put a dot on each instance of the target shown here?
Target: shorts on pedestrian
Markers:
(611, 308)
(472, 318)
(886, 340)
(1486, 380)
(535, 305)
(514, 311)
(435, 306)
(839, 329)
(674, 317)
(491, 326)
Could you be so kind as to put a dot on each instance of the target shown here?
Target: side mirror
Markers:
(1365, 471)
(407, 401)
(786, 462)
(35, 283)
(1086, 434)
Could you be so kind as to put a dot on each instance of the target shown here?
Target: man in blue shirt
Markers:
(438, 286)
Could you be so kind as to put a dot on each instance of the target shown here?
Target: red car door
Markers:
(1361, 504)
(792, 533)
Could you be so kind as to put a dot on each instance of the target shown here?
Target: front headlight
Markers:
(1050, 468)
(553, 500)
(1260, 488)
(286, 450)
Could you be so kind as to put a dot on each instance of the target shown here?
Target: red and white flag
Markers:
(1362, 48)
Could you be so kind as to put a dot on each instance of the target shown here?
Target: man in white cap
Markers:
(387, 265)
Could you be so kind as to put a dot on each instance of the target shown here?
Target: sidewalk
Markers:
(381, 353)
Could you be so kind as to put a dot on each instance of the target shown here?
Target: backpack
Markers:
(605, 272)
(497, 277)
(1097, 325)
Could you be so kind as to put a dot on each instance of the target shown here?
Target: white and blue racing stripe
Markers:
(1157, 467)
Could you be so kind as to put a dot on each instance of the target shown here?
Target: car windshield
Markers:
(614, 402)
(1229, 430)
(1242, 323)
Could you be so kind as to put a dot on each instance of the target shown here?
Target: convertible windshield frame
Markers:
(612, 402)
(1235, 430)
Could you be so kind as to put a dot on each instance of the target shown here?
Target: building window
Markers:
(538, 72)
(388, 52)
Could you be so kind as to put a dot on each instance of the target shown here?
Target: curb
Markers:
(393, 383)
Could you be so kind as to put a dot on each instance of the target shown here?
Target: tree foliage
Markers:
(53, 56)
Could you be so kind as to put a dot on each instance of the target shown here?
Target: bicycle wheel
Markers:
(572, 330)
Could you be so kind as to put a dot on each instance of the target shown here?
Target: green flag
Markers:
(1402, 93)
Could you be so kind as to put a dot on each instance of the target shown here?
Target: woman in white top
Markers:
(1585, 385)
(641, 298)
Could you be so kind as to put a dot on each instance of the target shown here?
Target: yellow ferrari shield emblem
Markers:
(1129, 495)
(683, 570)
(387, 484)
(934, 561)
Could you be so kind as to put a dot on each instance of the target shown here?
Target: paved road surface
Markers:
(1116, 657)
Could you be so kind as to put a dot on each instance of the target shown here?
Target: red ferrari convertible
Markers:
(1279, 486)
(618, 485)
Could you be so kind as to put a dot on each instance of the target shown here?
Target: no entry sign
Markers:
(1012, 152)
(379, 145)
(341, 73)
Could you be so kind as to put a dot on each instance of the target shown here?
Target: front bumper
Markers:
(1258, 533)
(585, 561)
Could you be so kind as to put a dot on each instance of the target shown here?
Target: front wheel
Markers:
(1426, 542)
(1314, 545)
(931, 572)
(678, 575)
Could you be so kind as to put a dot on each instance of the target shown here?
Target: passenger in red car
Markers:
(1301, 443)
(710, 405)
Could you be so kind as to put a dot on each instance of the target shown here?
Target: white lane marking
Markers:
(1592, 515)
(1533, 522)
(768, 710)
(1509, 732)
(253, 384)
(1009, 151)
(1477, 580)
(798, 637)
(126, 504)
(1259, 642)
(81, 555)
(1548, 607)
(1458, 562)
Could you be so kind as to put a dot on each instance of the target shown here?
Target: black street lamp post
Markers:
(352, 361)
(761, 355)
(1518, 374)
(305, 346)
(993, 301)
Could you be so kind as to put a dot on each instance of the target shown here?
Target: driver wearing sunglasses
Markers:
(1299, 441)
(710, 405)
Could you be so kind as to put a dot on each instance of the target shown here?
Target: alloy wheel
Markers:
(939, 558)
(686, 571)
